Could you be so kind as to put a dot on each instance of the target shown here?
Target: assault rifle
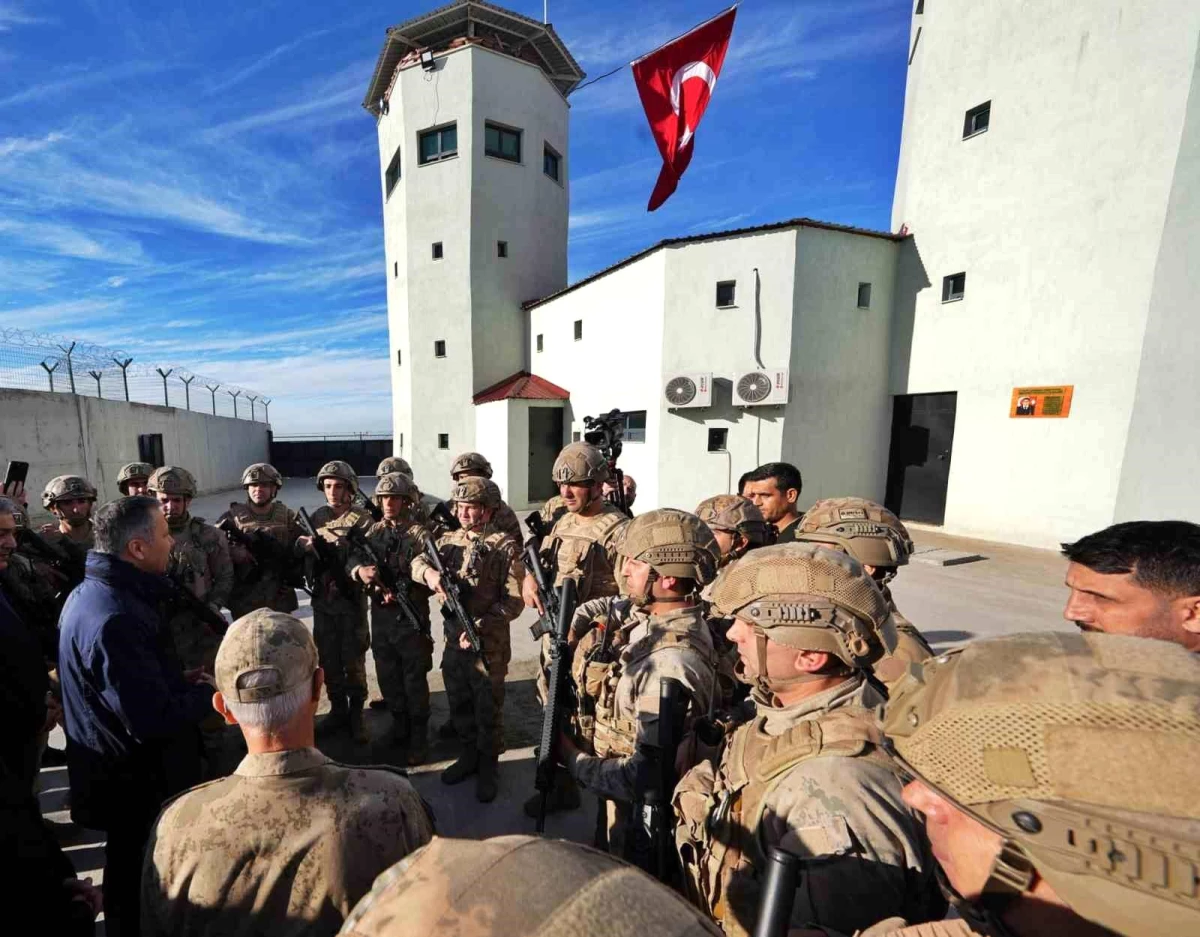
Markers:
(531, 556)
(778, 894)
(558, 699)
(454, 610)
(387, 577)
(62, 561)
(268, 553)
(440, 516)
(363, 503)
(327, 559)
(183, 599)
(650, 827)
(606, 432)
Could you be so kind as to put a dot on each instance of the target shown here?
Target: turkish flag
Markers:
(675, 83)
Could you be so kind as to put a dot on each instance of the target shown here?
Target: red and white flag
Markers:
(675, 83)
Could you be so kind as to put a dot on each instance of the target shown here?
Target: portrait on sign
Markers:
(1054, 402)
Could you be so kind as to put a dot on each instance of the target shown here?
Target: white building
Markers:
(1048, 195)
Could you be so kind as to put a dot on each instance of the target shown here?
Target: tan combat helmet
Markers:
(131, 471)
(261, 473)
(736, 515)
(471, 463)
(1081, 752)
(476, 490)
(393, 464)
(580, 463)
(172, 480)
(869, 532)
(810, 598)
(673, 543)
(512, 886)
(67, 488)
(393, 483)
(337, 469)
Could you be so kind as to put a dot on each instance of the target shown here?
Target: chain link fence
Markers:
(35, 361)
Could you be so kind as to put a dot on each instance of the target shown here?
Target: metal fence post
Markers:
(70, 369)
(235, 397)
(97, 375)
(124, 365)
(187, 390)
(50, 372)
(251, 399)
(166, 397)
(212, 389)
(266, 402)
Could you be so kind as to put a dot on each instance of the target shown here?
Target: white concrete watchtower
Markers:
(472, 116)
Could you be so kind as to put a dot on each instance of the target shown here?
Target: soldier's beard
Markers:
(76, 523)
(177, 523)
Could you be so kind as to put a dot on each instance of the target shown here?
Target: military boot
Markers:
(338, 716)
(418, 743)
(399, 735)
(358, 728)
(564, 795)
(485, 783)
(467, 765)
(446, 731)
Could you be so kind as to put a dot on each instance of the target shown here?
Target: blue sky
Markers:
(201, 187)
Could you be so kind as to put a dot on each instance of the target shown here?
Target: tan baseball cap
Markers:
(264, 641)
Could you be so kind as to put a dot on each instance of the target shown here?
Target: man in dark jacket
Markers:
(131, 716)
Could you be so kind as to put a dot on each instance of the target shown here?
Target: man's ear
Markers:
(811, 661)
(219, 704)
(792, 495)
(318, 681)
(1188, 609)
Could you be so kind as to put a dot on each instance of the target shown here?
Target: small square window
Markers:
(437, 250)
(920, 7)
(502, 142)
(392, 176)
(953, 287)
(726, 293)
(718, 437)
(551, 163)
(578, 329)
(977, 119)
(395, 269)
(635, 426)
(399, 358)
(439, 348)
(539, 342)
(439, 143)
(502, 248)
(864, 296)
(576, 436)
(443, 440)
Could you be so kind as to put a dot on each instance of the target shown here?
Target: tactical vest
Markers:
(897, 927)
(719, 837)
(275, 522)
(578, 546)
(600, 729)
(192, 558)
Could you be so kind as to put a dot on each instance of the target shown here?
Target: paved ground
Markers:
(1011, 589)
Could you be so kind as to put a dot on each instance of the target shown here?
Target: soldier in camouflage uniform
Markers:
(291, 840)
(340, 621)
(403, 649)
(257, 585)
(512, 886)
(878, 539)
(71, 499)
(134, 478)
(1057, 775)
(486, 561)
(200, 563)
(660, 633)
(580, 545)
(474, 465)
(808, 773)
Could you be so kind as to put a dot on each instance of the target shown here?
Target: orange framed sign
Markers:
(1053, 402)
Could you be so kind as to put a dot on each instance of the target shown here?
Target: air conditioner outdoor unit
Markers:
(764, 388)
(688, 390)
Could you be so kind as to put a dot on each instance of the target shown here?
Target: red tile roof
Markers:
(522, 385)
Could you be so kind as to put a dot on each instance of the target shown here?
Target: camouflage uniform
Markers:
(340, 621)
(511, 886)
(875, 537)
(75, 541)
(489, 565)
(618, 684)
(474, 465)
(291, 840)
(808, 777)
(255, 586)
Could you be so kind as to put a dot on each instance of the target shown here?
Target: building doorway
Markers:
(545, 442)
(919, 459)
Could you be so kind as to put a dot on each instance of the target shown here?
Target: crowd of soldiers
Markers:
(742, 690)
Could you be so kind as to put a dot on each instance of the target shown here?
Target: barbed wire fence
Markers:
(37, 361)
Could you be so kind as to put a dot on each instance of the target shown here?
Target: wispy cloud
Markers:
(116, 282)
(16, 146)
(12, 15)
(71, 241)
(240, 75)
(335, 106)
(84, 76)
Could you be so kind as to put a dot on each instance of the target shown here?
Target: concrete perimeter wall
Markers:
(60, 434)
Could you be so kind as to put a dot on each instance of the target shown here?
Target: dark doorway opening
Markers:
(919, 459)
(545, 441)
(150, 449)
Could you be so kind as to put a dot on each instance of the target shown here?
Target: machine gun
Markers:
(440, 516)
(531, 556)
(454, 609)
(650, 827)
(327, 559)
(269, 554)
(183, 599)
(558, 698)
(387, 577)
(70, 567)
(606, 432)
(363, 503)
(778, 894)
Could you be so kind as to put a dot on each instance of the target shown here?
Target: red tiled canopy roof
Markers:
(522, 385)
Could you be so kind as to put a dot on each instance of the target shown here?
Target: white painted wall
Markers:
(1055, 213)
(60, 434)
(492, 439)
(470, 298)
